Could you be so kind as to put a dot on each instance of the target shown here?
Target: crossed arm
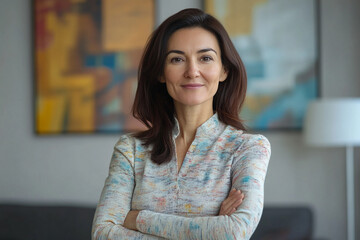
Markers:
(114, 218)
(228, 207)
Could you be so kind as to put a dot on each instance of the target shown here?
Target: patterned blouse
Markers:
(185, 204)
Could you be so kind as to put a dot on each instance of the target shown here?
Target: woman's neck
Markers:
(190, 118)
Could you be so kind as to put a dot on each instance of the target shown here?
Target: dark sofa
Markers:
(30, 222)
(285, 223)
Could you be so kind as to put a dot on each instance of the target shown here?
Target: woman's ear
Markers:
(224, 74)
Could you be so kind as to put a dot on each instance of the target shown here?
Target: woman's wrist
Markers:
(130, 220)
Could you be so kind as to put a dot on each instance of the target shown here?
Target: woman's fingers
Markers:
(232, 202)
(233, 206)
(231, 212)
(231, 199)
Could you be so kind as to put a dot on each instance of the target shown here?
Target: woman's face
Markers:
(193, 67)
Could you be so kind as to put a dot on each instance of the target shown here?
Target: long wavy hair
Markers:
(153, 105)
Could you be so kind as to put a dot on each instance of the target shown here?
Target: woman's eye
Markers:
(175, 60)
(206, 59)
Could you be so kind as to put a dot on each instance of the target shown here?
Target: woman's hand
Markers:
(231, 203)
(130, 220)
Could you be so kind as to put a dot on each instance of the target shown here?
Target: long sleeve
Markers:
(248, 174)
(115, 200)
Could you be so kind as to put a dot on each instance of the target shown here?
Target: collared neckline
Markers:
(209, 129)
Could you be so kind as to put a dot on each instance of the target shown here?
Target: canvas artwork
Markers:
(86, 58)
(277, 41)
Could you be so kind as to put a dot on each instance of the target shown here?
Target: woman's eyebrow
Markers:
(200, 51)
(175, 51)
(207, 50)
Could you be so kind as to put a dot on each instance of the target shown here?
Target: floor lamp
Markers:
(333, 123)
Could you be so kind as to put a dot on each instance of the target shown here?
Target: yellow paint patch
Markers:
(188, 207)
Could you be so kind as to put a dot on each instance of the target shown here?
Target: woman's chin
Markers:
(195, 103)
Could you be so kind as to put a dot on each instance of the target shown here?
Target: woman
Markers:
(195, 173)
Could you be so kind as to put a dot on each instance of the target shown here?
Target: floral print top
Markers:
(185, 204)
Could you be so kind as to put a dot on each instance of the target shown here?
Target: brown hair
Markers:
(153, 105)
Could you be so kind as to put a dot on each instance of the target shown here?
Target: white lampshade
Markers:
(333, 122)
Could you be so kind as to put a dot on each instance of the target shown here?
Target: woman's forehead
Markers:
(194, 39)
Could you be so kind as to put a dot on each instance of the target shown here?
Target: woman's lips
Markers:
(192, 85)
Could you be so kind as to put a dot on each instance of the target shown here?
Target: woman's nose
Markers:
(192, 70)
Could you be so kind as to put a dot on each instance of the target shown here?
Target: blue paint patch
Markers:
(194, 226)
(255, 68)
(291, 104)
(125, 166)
(110, 127)
(105, 60)
(207, 176)
(231, 138)
(202, 145)
(114, 181)
(224, 155)
(139, 148)
(246, 179)
(108, 60)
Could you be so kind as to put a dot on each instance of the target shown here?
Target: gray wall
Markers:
(72, 169)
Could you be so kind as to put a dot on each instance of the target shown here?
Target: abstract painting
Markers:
(277, 41)
(86, 58)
